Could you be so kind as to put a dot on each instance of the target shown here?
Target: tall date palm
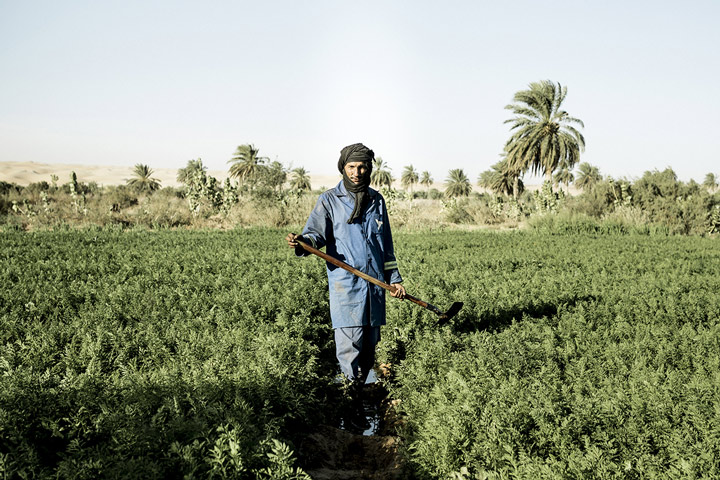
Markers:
(142, 180)
(544, 134)
(381, 173)
(587, 177)
(409, 177)
(457, 184)
(501, 181)
(426, 179)
(300, 179)
(564, 175)
(246, 162)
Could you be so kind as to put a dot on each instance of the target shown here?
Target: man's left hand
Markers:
(399, 291)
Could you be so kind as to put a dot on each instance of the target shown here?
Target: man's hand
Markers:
(399, 291)
(291, 240)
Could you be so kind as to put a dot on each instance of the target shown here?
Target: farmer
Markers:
(351, 222)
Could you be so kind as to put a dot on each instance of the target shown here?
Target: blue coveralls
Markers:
(357, 307)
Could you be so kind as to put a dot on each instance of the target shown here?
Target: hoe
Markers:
(444, 317)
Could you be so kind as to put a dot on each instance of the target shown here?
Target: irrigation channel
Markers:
(335, 453)
(371, 405)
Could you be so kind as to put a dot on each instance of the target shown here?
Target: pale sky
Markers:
(421, 83)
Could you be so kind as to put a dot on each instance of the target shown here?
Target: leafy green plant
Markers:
(575, 355)
(135, 354)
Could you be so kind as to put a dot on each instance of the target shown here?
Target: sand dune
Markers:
(24, 173)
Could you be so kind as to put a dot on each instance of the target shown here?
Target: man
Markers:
(351, 222)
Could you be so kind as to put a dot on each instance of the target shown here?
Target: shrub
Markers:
(120, 197)
(435, 194)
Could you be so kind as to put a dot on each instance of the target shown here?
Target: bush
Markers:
(435, 194)
(35, 188)
(7, 188)
(120, 197)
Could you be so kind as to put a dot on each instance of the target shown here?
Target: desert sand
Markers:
(25, 173)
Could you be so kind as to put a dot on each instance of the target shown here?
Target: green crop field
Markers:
(208, 354)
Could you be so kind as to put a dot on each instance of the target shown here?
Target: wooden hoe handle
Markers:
(355, 271)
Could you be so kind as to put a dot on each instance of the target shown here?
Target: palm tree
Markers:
(544, 134)
(426, 180)
(457, 184)
(187, 173)
(381, 174)
(564, 175)
(501, 181)
(409, 177)
(587, 177)
(485, 178)
(300, 180)
(511, 171)
(142, 180)
(245, 162)
(710, 182)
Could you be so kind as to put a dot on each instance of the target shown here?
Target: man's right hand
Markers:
(291, 240)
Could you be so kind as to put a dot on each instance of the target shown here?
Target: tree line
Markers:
(544, 140)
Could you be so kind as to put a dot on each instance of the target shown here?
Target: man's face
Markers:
(356, 171)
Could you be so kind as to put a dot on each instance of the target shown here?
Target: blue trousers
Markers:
(355, 350)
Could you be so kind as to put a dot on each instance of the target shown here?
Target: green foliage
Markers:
(587, 177)
(575, 356)
(457, 184)
(710, 182)
(380, 175)
(544, 135)
(229, 197)
(270, 177)
(245, 163)
(202, 354)
(158, 354)
(120, 197)
(281, 460)
(409, 177)
(300, 180)
(658, 201)
(455, 211)
(426, 179)
(202, 192)
(563, 176)
(186, 174)
(714, 220)
(141, 180)
(6, 188)
(546, 200)
(435, 194)
(499, 179)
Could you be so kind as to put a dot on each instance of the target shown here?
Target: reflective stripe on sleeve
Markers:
(391, 265)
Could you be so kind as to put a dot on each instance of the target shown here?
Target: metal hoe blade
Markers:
(452, 311)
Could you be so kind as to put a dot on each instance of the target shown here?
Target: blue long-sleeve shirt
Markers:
(365, 244)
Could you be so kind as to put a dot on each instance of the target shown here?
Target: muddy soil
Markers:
(331, 453)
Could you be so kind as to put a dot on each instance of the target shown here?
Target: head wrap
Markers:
(357, 152)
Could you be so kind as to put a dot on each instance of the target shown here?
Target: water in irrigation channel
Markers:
(372, 411)
(371, 405)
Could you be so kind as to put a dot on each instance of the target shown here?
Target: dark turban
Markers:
(357, 152)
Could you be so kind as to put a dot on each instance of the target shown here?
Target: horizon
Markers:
(421, 84)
